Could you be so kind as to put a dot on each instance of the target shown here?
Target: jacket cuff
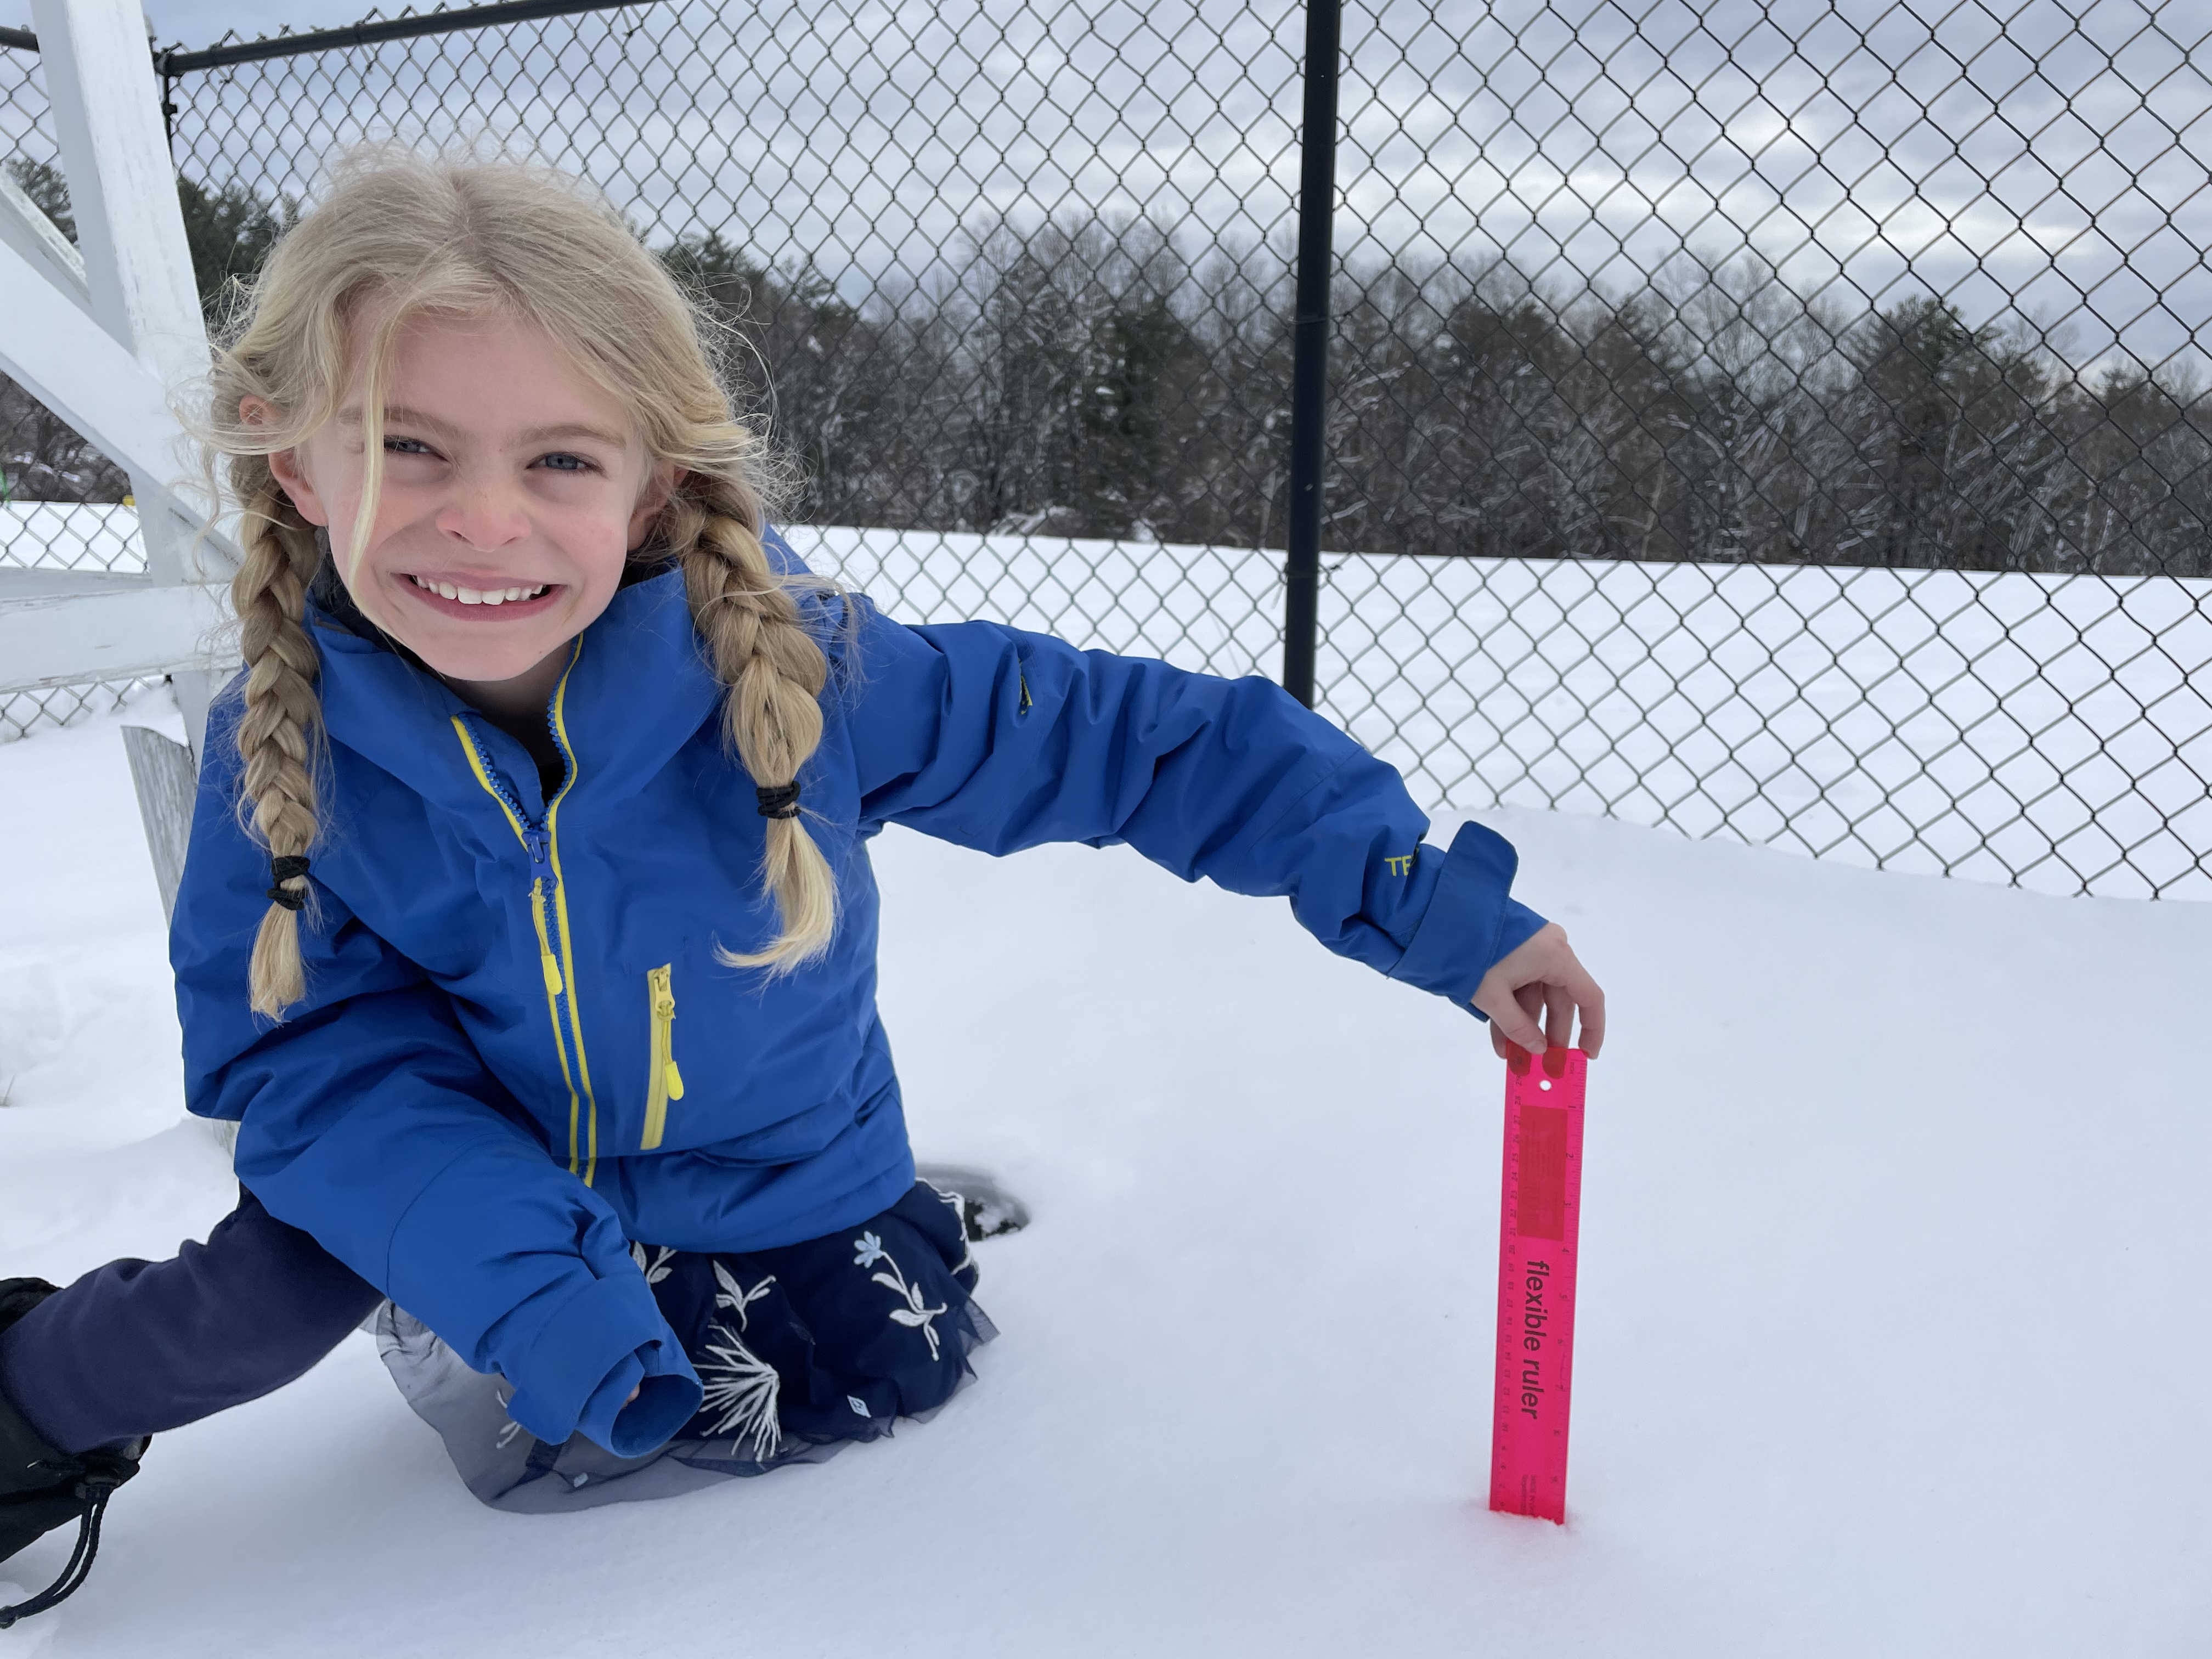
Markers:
(1471, 923)
(668, 1396)
(606, 1334)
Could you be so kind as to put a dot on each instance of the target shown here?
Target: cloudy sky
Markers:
(2030, 158)
(199, 22)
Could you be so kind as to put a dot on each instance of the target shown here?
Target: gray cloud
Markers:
(2029, 164)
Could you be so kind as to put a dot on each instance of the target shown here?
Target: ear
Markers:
(285, 465)
(659, 486)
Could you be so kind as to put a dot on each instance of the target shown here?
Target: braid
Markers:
(774, 670)
(277, 731)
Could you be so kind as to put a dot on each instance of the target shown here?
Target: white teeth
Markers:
(479, 596)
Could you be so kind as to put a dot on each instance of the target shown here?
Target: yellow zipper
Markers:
(663, 1082)
(560, 914)
(554, 988)
(559, 974)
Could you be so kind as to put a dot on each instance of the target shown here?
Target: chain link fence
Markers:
(61, 500)
(1782, 423)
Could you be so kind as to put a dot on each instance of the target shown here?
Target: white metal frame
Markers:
(102, 334)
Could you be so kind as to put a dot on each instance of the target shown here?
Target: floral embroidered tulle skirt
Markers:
(802, 1349)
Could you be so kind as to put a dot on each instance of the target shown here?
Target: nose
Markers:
(484, 513)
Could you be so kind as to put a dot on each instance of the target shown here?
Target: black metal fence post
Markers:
(1555, 410)
(1310, 349)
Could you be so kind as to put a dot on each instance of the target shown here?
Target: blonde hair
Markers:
(398, 236)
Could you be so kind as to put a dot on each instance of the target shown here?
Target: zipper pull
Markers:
(664, 1014)
(539, 845)
(546, 965)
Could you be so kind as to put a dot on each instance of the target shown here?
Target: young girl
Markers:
(528, 932)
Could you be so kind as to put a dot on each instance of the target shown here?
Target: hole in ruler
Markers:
(1546, 1083)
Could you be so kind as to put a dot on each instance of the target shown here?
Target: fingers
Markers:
(1568, 989)
(1533, 996)
(1591, 1000)
(1515, 1019)
(1574, 989)
(1559, 1016)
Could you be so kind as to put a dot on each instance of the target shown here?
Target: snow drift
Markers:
(1893, 1323)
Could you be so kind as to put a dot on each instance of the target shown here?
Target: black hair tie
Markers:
(282, 870)
(780, 802)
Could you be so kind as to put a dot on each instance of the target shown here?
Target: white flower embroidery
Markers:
(917, 1315)
(859, 1405)
(869, 1251)
(735, 1296)
(658, 1269)
(744, 1387)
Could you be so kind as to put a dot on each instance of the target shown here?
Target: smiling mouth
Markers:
(482, 595)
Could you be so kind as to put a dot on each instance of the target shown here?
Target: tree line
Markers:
(1092, 379)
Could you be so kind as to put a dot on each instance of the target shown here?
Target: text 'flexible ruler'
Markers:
(1540, 1213)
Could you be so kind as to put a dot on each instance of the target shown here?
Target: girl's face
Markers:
(514, 487)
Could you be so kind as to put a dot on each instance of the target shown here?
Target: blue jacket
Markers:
(518, 1052)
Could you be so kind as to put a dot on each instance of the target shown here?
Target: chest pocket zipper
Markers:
(664, 1082)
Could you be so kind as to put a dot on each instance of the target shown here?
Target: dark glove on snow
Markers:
(41, 1486)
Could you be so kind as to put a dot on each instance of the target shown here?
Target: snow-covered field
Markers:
(2053, 731)
(1894, 1322)
(2056, 731)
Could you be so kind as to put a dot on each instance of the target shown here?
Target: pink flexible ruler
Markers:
(1538, 1216)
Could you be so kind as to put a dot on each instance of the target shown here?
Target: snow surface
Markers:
(2049, 730)
(1892, 1318)
(2054, 731)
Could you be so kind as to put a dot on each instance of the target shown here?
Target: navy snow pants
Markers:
(136, 1347)
(846, 1327)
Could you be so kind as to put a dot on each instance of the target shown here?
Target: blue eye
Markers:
(563, 462)
(405, 447)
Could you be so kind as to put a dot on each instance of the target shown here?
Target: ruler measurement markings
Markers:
(1539, 1215)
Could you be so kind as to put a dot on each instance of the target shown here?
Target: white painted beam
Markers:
(81, 372)
(39, 583)
(24, 227)
(99, 72)
(130, 634)
(106, 103)
(161, 771)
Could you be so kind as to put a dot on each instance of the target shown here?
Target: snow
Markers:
(71, 536)
(1893, 1316)
(2008, 726)
(2050, 729)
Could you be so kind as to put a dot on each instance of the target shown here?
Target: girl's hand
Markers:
(1542, 980)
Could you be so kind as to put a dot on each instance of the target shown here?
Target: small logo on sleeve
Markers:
(1401, 867)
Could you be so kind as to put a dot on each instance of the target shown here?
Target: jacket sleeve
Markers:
(1000, 739)
(368, 1119)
